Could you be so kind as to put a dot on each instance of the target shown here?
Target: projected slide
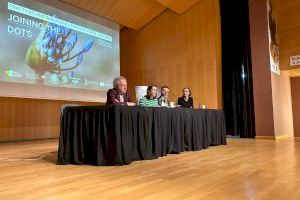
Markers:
(41, 45)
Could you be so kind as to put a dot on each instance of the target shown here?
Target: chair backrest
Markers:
(63, 106)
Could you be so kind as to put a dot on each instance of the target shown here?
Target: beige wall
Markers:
(178, 51)
(282, 105)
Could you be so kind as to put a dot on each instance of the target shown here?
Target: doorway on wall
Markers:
(295, 96)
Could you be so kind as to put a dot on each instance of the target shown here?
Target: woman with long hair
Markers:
(186, 101)
(150, 99)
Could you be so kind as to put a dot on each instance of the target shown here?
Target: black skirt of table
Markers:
(118, 135)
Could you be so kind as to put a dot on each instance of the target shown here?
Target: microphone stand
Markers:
(176, 97)
(199, 106)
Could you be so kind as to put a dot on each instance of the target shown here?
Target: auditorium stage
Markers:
(243, 169)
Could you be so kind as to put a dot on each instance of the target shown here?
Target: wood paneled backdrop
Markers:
(25, 119)
(134, 14)
(178, 51)
(130, 13)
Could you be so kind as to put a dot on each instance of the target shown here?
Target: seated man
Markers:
(163, 99)
(118, 95)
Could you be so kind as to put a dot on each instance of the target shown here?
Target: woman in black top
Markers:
(186, 100)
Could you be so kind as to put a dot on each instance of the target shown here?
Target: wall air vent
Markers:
(294, 60)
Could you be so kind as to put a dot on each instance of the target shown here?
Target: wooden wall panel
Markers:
(288, 24)
(25, 119)
(130, 13)
(179, 6)
(178, 51)
(175, 50)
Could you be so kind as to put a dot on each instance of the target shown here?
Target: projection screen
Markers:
(48, 52)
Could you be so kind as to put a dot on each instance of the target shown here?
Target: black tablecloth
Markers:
(118, 135)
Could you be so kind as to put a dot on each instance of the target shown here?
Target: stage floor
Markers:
(243, 169)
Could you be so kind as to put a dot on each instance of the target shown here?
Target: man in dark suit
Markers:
(118, 95)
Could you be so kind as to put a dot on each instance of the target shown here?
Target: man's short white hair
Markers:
(116, 81)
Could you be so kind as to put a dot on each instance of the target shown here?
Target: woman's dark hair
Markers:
(149, 91)
(189, 91)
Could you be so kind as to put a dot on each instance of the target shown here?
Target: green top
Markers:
(148, 102)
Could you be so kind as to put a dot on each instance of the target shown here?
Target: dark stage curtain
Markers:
(118, 135)
(237, 69)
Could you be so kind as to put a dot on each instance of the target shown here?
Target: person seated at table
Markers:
(119, 95)
(186, 101)
(150, 99)
(163, 99)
